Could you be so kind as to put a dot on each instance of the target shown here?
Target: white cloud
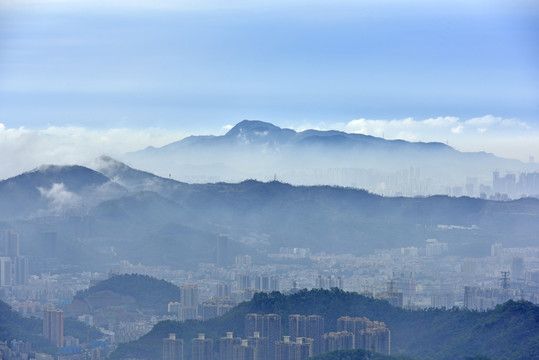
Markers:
(441, 121)
(489, 133)
(457, 129)
(59, 196)
(22, 149)
(484, 120)
(407, 129)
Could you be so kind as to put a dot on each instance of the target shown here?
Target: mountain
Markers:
(510, 331)
(51, 187)
(126, 214)
(261, 150)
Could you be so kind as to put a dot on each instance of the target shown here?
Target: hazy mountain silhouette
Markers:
(155, 220)
(258, 150)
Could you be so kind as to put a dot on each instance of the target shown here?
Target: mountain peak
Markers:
(252, 126)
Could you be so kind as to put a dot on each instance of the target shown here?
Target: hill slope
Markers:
(144, 291)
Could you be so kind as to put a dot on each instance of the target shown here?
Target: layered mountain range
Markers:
(114, 212)
(262, 151)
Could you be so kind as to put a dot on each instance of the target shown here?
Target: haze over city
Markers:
(269, 180)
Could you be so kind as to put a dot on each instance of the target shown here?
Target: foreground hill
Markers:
(124, 295)
(510, 331)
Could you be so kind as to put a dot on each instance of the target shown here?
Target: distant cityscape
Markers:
(408, 182)
(409, 277)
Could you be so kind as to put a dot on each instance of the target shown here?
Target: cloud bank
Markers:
(23, 149)
(504, 137)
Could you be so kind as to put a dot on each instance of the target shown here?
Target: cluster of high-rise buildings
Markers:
(526, 185)
(306, 337)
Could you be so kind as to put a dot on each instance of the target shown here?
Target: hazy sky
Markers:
(84, 77)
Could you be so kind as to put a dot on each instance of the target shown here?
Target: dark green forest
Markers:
(148, 292)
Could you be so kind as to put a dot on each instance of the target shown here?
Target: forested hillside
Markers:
(511, 331)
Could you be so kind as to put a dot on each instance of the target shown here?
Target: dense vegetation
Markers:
(148, 292)
(30, 329)
(511, 331)
(358, 354)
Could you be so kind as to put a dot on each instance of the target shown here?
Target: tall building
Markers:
(268, 326)
(517, 268)
(375, 338)
(244, 281)
(329, 282)
(226, 346)
(201, 348)
(11, 244)
(187, 313)
(53, 326)
(314, 329)
(260, 345)
(267, 283)
(223, 290)
(296, 326)
(189, 295)
(222, 251)
(342, 340)
(244, 351)
(5, 271)
(253, 322)
(353, 324)
(272, 330)
(293, 350)
(369, 335)
(405, 282)
(172, 348)
(189, 302)
(20, 267)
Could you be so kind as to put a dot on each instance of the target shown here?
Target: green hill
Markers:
(140, 291)
(511, 331)
(30, 329)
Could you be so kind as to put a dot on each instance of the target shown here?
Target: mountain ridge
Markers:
(257, 149)
(144, 216)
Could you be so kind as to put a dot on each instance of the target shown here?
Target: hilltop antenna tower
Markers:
(504, 281)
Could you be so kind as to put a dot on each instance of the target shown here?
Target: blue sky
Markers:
(122, 75)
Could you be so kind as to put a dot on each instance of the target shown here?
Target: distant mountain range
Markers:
(114, 212)
(260, 150)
